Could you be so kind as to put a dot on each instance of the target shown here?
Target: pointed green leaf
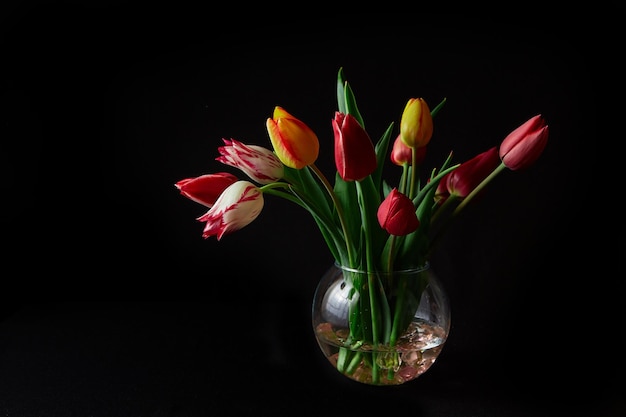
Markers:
(347, 196)
(434, 111)
(351, 107)
(381, 148)
(341, 95)
(370, 201)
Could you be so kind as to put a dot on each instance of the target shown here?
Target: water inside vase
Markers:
(413, 354)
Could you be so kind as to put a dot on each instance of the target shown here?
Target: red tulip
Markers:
(522, 147)
(235, 208)
(205, 189)
(355, 156)
(259, 163)
(460, 182)
(396, 214)
(295, 144)
(402, 154)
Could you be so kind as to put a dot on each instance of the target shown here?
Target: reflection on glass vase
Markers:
(380, 328)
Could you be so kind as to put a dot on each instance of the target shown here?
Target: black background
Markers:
(114, 305)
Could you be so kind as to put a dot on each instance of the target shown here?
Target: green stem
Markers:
(399, 309)
(332, 236)
(390, 257)
(413, 186)
(442, 230)
(342, 357)
(340, 213)
(272, 185)
(403, 179)
(354, 363)
(478, 188)
(443, 207)
(371, 279)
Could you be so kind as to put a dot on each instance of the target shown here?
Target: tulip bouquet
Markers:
(367, 223)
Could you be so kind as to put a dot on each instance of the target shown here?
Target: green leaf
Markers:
(351, 107)
(370, 201)
(381, 149)
(432, 184)
(330, 232)
(434, 111)
(414, 248)
(341, 95)
(386, 189)
(347, 197)
(307, 186)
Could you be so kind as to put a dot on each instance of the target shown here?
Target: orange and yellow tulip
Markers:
(295, 144)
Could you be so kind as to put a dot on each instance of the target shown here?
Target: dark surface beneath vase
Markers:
(112, 304)
(202, 358)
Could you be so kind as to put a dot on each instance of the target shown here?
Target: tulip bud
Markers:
(235, 208)
(402, 154)
(295, 144)
(259, 163)
(205, 189)
(396, 214)
(355, 156)
(522, 147)
(416, 125)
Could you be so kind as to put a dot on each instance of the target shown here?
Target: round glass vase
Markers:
(380, 328)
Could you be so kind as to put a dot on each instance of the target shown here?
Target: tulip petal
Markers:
(205, 189)
(236, 207)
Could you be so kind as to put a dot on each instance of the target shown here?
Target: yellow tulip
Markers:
(416, 125)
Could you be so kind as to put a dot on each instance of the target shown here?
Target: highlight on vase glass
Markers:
(379, 314)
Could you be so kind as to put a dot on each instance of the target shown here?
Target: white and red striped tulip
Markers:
(235, 208)
(259, 163)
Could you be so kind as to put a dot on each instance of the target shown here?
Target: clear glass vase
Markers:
(380, 328)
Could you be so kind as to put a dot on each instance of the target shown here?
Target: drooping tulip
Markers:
(205, 189)
(402, 154)
(295, 144)
(396, 214)
(355, 156)
(235, 208)
(416, 125)
(522, 146)
(462, 181)
(259, 163)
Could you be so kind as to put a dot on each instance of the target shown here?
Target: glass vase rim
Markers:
(425, 267)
